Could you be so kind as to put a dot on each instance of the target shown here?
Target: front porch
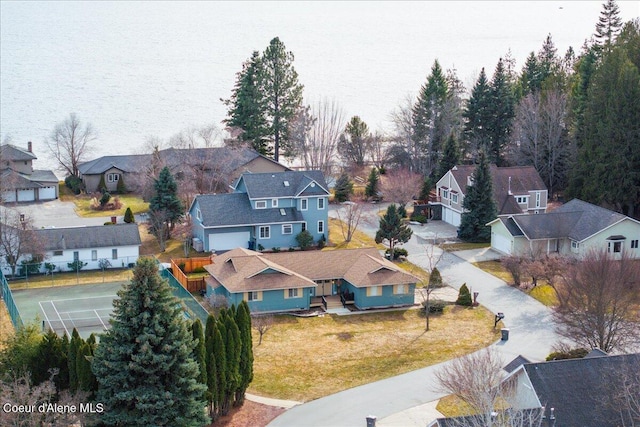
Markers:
(332, 303)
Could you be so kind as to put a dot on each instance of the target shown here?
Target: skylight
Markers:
(286, 183)
(283, 212)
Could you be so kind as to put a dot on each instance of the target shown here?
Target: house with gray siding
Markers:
(265, 211)
(516, 190)
(288, 281)
(19, 182)
(573, 229)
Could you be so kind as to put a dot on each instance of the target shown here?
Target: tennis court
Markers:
(86, 308)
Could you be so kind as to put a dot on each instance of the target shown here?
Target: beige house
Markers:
(211, 170)
(516, 190)
(573, 229)
(19, 182)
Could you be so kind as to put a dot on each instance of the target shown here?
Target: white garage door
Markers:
(450, 216)
(455, 218)
(26, 195)
(226, 241)
(47, 193)
(8, 196)
(501, 243)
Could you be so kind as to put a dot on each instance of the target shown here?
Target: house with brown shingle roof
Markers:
(289, 281)
(516, 190)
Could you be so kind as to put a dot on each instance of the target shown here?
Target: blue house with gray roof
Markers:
(265, 211)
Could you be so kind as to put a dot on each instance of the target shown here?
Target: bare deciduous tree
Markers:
(477, 379)
(159, 227)
(597, 301)
(349, 216)
(262, 323)
(18, 390)
(401, 186)
(70, 143)
(17, 237)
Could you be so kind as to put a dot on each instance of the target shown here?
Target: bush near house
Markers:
(464, 296)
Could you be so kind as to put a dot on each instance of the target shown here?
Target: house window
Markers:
(304, 204)
(253, 296)
(94, 255)
(293, 293)
(57, 253)
(76, 256)
(617, 247)
(401, 289)
(575, 245)
(454, 198)
(261, 204)
(320, 226)
(445, 194)
(265, 232)
(374, 291)
(199, 214)
(113, 177)
(320, 203)
(274, 203)
(522, 200)
(287, 228)
(634, 244)
(114, 254)
(538, 199)
(304, 226)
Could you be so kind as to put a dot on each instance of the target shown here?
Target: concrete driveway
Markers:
(55, 213)
(403, 400)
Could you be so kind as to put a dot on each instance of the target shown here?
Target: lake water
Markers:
(138, 69)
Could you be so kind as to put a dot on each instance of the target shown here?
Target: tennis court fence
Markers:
(185, 296)
(7, 297)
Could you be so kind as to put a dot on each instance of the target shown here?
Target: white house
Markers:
(573, 229)
(119, 244)
(516, 190)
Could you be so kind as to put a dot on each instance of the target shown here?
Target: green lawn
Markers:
(83, 206)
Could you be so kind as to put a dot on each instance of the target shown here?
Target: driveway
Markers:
(55, 213)
(531, 335)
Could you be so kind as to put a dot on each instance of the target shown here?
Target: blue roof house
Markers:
(265, 211)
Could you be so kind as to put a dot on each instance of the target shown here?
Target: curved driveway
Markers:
(531, 335)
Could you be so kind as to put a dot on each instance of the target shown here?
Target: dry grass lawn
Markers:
(453, 406)
(83, 203)
(463, 246)
(307, 358)
(6, 327)
(68, 279)
(545, 294)
(495, 268)
(358, 240)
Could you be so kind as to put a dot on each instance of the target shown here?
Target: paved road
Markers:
(531, 335)
(55, 213)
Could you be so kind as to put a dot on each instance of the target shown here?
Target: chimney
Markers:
(30, 147)
(509, 185)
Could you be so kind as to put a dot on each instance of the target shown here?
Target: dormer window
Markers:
(261, 204)
(274, 203)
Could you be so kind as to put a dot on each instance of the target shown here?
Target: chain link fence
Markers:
(7, 297)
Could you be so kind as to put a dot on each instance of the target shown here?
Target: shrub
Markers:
(397, 253)
(464, 296)
(76, 265)
(199, 270)
(435, 306)
(275, 249)
(128, 216)
(108, 223)
(105, 198)
(30, 266)
(121, 188)
(102, 185)
(74, 184)
(402, 211)
(260, 247)
(304, 239)
(181, 266)
(435, 279)
(576, 353)
(322, 242)
(419, 218)
(49, 267)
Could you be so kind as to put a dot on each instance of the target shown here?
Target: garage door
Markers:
(501, 243)
(47, 193)
(227, 241)
(26, 195)
(450, 216)
(455, 218)
(8, 196)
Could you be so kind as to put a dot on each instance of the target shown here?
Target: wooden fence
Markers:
(188, 265)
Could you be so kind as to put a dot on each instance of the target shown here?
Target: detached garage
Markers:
(228, 241)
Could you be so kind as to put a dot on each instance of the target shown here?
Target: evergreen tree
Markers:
(102, 185)
(530, 80)
(144, 364)
(355, 142)
(233, 348)
(502, 113)
(243, 320)
(220, 371)
(392, 230)
(450, 156)
(464, 296)
(86, 380)
(200, 350)
(428, 128)
(19, 350)
(609, 24)
(74, 345)
(283, 94)
(343, 188)
(478, 204)
(128, 216)
(478, 116)
(165, 199)
(51, 355)
(435, 279)
(247, 106)
(371, 190)
(425, 190)
(211, 364)
(120, 187)
(548, 62)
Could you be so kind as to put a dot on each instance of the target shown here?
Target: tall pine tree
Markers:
(164, 203)
(450, 156)
(478, 116)
(243, 320)
(502, 108)
(283, 94)
(200, 351)
(609, 24)
(74, 345)
(211, 363)
(478, 204)
(144, 363)
(247, 106)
